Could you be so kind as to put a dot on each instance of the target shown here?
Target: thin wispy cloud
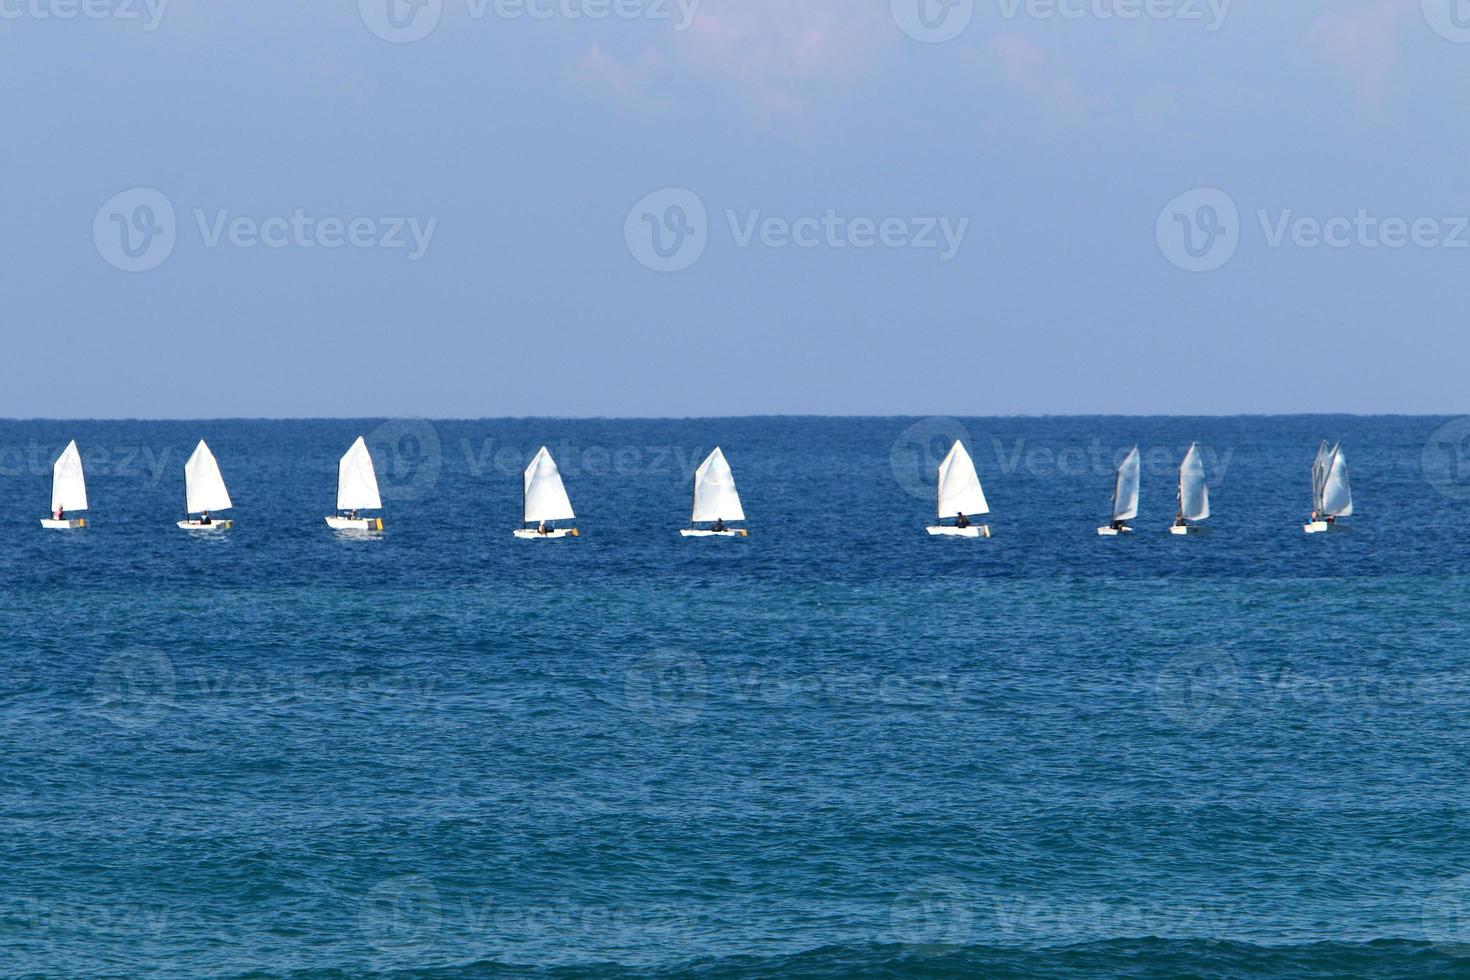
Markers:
(1040, 76)
(1362, 41)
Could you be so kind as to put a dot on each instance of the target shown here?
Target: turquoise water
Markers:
(836, 748)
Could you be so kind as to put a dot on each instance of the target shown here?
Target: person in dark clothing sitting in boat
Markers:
(60, 514)
(541, 528)
(1120, 525)
(961, 521)
(204, 518)
(719, 524)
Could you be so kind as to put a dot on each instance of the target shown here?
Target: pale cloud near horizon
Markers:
(1362, 40)
(1038, 75)
(773, 55)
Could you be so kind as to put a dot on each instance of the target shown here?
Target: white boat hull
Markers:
(948, 531)
(737, 533)
(1323, 527)
(211, 526)
(66, 525)
(1113, 532)
(561, 532)
(355, 523)
(1186, 529)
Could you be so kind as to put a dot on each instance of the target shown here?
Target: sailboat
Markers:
(357, 489)
(204, 492)
(68, 490)
(715, 500)
(1194, 493)
(1332, 494)
(1125, 497)
(960, 496)
(546, 500)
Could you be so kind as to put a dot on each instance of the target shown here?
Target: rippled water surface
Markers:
(838, 747)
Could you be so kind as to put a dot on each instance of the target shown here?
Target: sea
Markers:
(836, 748)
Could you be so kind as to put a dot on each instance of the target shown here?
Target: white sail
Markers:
(1125, 491)
(1194, 495)
(1319, 474)
(357, 484)
(546, 496)
(1337, 493)
(68, 485)
(959, 486)
(204, 487)
(715, 498)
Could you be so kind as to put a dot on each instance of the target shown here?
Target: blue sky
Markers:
(859, 210)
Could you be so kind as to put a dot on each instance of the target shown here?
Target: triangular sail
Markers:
(546, 496)
(68, 484)
(1319, 475)
(204, 487)
(1337, 493)
(959, 485)
(357, 484)
(1125, 491)
(715, 498)
(1194, 495)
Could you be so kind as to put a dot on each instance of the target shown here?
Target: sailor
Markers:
(204, 519)
(719, 524)
(961, 521)
(541, 528)
(60, 514)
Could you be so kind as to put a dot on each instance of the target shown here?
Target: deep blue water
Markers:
(836, 748)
